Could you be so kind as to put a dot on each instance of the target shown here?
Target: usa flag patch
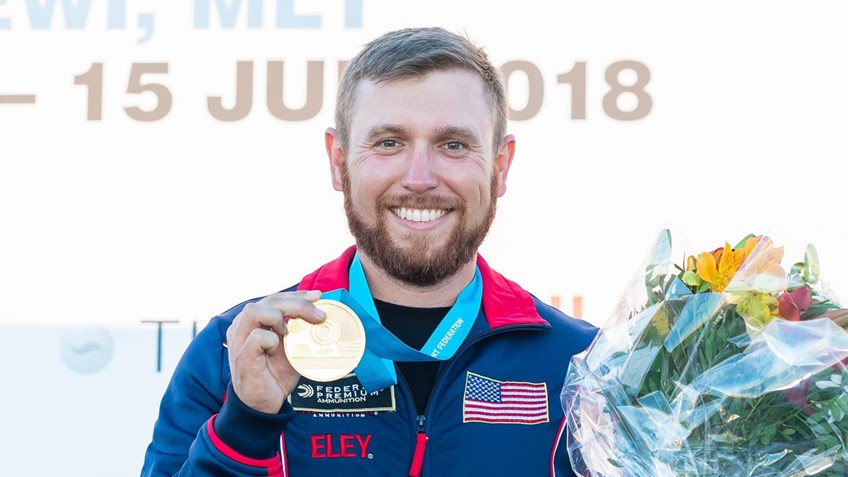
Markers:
(504, 402)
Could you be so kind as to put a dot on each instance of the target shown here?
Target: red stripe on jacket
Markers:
(273, 465)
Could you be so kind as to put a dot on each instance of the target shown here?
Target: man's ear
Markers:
(335, 154)
(503, 161)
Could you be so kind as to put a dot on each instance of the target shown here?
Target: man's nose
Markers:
(419, 175)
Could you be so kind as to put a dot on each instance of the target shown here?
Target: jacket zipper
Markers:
(420, 446)
(421, 434)
(421, 437)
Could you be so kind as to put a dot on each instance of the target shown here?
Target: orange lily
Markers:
(718, 268)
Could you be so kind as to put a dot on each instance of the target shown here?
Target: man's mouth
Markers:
(419, 215)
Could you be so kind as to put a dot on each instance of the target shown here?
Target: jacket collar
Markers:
(504, 302)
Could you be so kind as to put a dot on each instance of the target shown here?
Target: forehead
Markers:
(440, 99)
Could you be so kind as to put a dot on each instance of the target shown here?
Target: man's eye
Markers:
(454, 146)
(388, 143)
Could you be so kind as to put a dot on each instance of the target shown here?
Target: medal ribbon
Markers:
(376, 369)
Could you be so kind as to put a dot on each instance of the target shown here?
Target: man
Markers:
(421, 155)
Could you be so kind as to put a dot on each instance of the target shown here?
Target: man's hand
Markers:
(261, 374)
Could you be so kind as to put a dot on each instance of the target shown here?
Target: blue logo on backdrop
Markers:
(87, 350)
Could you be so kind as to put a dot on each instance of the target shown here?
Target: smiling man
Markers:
(419, 179)
(462, 369)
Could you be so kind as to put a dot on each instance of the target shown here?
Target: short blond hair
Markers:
(416, 52)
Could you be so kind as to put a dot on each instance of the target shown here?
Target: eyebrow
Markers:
(457, 132)
(382, 129)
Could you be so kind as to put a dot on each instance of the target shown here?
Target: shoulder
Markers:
(565, 328)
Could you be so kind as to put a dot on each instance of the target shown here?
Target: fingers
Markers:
(270, 312)
(261, 341)
(297, 305)
(261, 374)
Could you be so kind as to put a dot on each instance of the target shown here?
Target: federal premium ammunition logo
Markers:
(345, 395)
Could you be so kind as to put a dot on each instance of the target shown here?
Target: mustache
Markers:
(421, 201)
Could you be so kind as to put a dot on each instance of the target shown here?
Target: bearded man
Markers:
(462, 368)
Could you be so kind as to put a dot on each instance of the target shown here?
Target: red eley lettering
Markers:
(330, 453)
(364, 445)
(347, 441)
(327, 446)
(318, 443)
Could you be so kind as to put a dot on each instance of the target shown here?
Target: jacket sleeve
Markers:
(203, 429)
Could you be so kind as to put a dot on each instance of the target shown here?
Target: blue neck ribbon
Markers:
(376, 369)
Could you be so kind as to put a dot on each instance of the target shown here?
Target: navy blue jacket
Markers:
(495, 409)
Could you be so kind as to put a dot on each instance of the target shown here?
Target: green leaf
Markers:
(692, 279)
(811, 265)
(710, 349)
(828, 441)
(837, 412)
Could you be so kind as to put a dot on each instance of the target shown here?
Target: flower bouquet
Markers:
(724, 364)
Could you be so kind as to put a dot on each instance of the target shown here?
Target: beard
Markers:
(424, 263)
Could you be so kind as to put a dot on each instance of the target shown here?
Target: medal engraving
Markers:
(326, 351)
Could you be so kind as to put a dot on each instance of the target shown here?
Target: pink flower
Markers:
(792, 303)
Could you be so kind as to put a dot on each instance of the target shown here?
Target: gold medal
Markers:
(329, 350)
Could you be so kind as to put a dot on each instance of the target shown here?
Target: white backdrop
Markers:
(107, 222)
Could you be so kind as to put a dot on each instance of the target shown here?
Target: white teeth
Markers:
(419, 215)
